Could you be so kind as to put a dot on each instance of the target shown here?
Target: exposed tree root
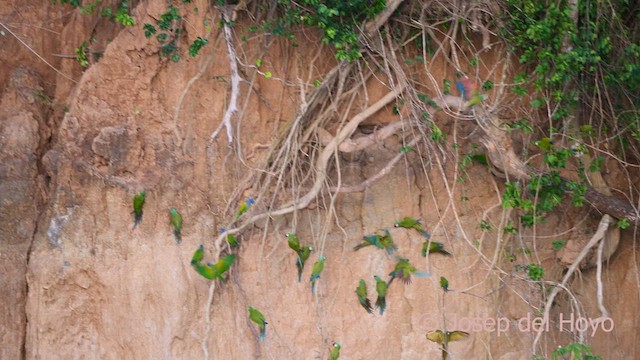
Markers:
(235, 78)
(599, 235)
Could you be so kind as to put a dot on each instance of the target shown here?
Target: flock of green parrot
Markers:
(174, 215)
(403, 269)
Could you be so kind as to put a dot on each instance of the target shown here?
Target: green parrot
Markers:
(386, 242)
(232, 240)
(381, 289)
(476, 98)
(444, 338)
(361, 292)
(411, 223)
(545, 144)
(434, 247)
(216, 270)
(138, 203)
(335, 352)
(244, 207)
(294, 242)
(198, 255)
(176, 221)
(318, 266)
(303, 252)
(368, 241)
(403, 270)
(303, 255)
(257, 317)
(444, 283)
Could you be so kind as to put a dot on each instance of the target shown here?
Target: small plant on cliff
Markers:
(575, 351)
(338, 20)
(167, 31)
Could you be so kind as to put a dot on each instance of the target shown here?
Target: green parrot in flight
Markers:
(335, 352)
(316, 270)
(198, 255)
(257, 317)
(361, 292)
(216, 270)
(403, 270)
(386, 242)
(444, 283)
(434, 247)
(381, 289)
(379, 241)
(303, 252)
(368, 241)
(138, 203)
(244, 207)
(176, 222)
(444, 338)
(411, 223)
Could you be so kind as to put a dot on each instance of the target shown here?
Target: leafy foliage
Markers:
(575, 351)
(338, 20)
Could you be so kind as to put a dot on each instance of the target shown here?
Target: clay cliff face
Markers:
(79, 283)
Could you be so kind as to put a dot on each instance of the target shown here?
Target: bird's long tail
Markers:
(178, 236)
(425, 234)
(136, 220)
(381, 303)
(366, 304)
(360, 246)
(263, 333)
(300, 267)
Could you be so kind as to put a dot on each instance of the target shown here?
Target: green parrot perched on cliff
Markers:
(303, 255)
(257, 317)
(361, 292)
(403, 270)
(434, 247)
(545, 144)
(335, 352)
(244, 207)
(216, 270)
(232, 240)
(318, 266)
(293, 241)
(303, 252)
(138, 203)
(444, 338)
(176, 222)
(381, 289)
(198, 255)
(444, 283)
(411, 223)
